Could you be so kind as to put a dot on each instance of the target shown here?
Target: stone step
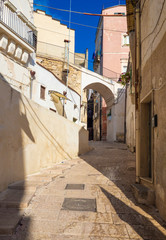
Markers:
(27, 184)
(143, 194)
(12, 198)
(9, 219)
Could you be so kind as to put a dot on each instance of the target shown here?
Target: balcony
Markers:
(17, 33)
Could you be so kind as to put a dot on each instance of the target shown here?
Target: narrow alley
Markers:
(89, 198)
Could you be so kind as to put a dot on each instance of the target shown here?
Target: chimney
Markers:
(86, 58)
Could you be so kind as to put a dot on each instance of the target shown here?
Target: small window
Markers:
(42, 92)
(53, 110)
(119, 13)
(125, 40)
(124, 69)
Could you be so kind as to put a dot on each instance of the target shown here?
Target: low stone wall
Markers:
(33, 137)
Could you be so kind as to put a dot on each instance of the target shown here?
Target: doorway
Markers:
(146, 140)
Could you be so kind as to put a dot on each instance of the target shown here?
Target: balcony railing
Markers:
(12, 21)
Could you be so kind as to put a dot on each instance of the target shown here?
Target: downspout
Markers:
(32, 77)
(137, 91)
(125, 115)
(100, 118)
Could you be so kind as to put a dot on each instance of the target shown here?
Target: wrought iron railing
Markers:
(12, 21)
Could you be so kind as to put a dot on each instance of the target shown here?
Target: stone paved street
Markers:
(107, 173)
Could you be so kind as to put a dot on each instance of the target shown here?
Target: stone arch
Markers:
(104, 91)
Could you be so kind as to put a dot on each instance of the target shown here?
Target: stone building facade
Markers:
(148, 51)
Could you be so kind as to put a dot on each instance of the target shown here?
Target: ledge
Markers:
(4, 29)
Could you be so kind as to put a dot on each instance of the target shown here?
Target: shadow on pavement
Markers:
(117, 164)
(140, 224)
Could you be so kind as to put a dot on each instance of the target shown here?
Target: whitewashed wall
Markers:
(25, 6)
(50, 82)
(115, 123)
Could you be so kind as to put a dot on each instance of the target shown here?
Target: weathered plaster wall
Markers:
(33, 137)
(115, 123)
(130, 121)
(50, 82)
(56, 67)
(15, 74)
(75, 78)
(153, 38)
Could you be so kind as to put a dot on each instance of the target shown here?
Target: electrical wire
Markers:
(58, 9)
(143, 6)
(89, 26)
(82, 13)
(89, 61)
(154, 30)
(104, 29)
(156, 23)
(54, 31)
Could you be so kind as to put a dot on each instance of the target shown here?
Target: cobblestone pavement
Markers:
(107, 173)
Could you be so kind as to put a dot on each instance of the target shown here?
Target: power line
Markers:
(76, 54)
(111, 30)
(82, 13)
(54, 31)
(89, 26)
(156, 22)
(58, 9)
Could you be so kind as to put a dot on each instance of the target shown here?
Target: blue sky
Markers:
(84, 36)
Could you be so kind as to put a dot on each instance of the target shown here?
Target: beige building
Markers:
(147, 31)
(54, 40)
(52, 53)
(53, 37)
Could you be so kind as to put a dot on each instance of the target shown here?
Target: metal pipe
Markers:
(137, 97)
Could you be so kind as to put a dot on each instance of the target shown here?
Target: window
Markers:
(119, 13)
(53, 110)
(125, 40)
(124, 69)
(42, 92)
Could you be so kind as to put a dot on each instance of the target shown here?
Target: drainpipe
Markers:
(32, 77)
(100, 118)
(137, 91)
(125, 113)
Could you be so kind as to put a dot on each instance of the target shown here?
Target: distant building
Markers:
(110, 60)
(53, 40)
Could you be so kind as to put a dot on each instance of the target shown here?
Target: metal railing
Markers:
(12, 21)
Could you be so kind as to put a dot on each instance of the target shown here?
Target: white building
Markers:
(18, 38)
(17, 43)
(49, 91)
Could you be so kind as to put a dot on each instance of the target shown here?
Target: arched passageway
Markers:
(107, 120)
